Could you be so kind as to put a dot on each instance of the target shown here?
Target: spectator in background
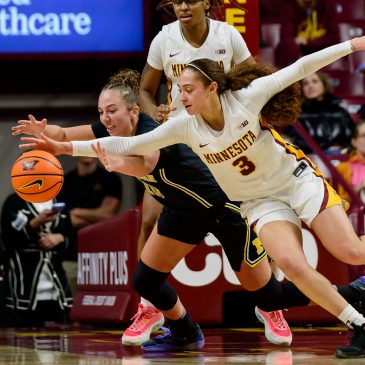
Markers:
(308, 26)
(35, 238)
(326, 121)
(353, 170)
(91, 194)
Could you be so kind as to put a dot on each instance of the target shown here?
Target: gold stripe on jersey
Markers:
(330, 197)
(233, 207)
(169, 89)
(185, 190)
(289, 148)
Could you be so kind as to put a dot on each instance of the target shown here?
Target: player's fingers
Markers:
(30, 139)
(28, 145)
(32, 118)
(95, 148)
(23, 122)
(17, 130)
(45, 139)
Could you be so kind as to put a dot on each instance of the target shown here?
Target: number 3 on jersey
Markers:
(245, 166)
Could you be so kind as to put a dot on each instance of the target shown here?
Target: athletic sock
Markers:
(350, 315)
(146, 303)
(183, 327)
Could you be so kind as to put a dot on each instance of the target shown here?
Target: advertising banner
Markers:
(59, 26)
(245, 20)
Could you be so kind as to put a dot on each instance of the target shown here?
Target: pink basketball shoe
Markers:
(146, 320)
(277, 330)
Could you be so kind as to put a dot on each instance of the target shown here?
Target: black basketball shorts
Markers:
(238, 240)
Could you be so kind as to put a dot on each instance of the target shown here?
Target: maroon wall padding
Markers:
(107, 257)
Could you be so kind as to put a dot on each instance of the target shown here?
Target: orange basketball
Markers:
(37, 176)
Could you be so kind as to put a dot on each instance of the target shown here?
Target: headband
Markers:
(200, 70)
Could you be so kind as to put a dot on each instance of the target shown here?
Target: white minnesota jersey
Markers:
(248, 158)
(170, 52)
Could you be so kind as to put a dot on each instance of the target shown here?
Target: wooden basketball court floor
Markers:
(90, 346)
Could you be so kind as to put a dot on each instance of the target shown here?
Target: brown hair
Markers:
(325, 79)
(126, 81)
(281, 110)
(214, 10)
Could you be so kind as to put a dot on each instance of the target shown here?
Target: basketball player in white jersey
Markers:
(277, 184)
(193, 35)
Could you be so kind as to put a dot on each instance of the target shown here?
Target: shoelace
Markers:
(139, 317)
(278, 319)
(167, 332)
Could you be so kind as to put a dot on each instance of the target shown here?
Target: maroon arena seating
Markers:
(350, 10)
(346, 84)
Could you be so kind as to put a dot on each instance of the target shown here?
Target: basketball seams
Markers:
(41, 158)
(38, 174)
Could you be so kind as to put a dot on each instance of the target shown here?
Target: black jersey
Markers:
(180, 179)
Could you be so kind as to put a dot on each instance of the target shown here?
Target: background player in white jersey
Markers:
(193, 35)
(226, 130)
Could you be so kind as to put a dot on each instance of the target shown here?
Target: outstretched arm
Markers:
(45, 143)
(133, 166)
(175, 131)
(262, 89)
(35, 127)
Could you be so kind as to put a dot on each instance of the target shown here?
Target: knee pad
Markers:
(151, 285)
